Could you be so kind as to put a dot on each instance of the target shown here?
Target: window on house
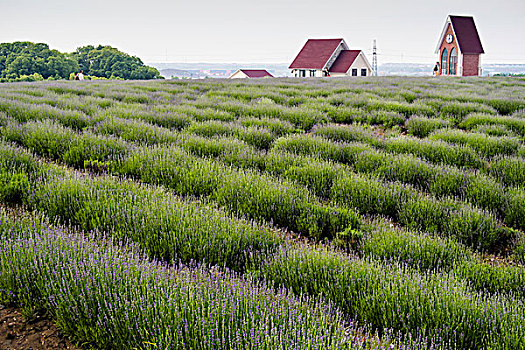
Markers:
(452, 68)
(312, 72)
(302, 73)
(444, 62)
(363, 72)
(354, 72)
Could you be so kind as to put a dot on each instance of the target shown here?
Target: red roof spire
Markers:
(466, 34)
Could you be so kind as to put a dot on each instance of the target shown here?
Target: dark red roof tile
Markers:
(344, 61)
(467, 35)
(256, 73)
(315, 53)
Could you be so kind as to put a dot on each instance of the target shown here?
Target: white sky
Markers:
(264, 31)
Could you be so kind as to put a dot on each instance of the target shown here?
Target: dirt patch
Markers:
(37, 334)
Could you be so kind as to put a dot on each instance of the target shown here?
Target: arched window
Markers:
(444, 62)
(452, 68)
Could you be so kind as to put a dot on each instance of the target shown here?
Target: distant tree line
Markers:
(26, 61)
(509, 75)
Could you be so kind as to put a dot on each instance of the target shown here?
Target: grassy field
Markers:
(369, 213)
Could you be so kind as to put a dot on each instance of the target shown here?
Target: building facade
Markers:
(459, 48)
(329, 57)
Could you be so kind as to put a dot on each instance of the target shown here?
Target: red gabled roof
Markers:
(256, 73)
(344, 61)
(466, 34)
(315, 53)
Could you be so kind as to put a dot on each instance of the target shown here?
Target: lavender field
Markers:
(372, 213)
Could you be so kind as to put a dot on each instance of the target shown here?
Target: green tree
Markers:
(25, 59)
(20, 60)
(107, 62)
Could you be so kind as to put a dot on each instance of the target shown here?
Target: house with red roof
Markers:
(459, 48)
(329, 57)
(251, 73)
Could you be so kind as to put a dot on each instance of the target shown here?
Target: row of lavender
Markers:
(110, 295)
(260, 196)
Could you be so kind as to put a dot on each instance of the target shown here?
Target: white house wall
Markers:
(360, 63)
(238, 75)
(318, 73)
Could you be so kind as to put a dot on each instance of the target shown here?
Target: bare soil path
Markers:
(16, 333)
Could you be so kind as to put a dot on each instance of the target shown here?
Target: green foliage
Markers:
(494, 130)
(259, 137)
(435, 151)
(423, 126)
(493, 278)
(515, 211)
(420, 251)
(350, 115)
(347, 133)
(276, 126)
(26, 61)
(431, 305)
(24, 77)
(349, 239)
(23, 112)
(258, 196)
(515, 124)
(506, 106)
(318, 176)
(471, 226)
(510, 170)
(110, 63)
(484, 144)
(370, 196)
(407, 109)
(13, 187)
(311, 145)
(458, 110)
(52, 140)
(519, 250)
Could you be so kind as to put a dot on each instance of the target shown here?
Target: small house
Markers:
(329, 57)
(251, 73)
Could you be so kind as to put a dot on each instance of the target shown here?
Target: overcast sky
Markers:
(266, 31)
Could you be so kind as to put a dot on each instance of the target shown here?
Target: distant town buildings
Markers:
(251, 73)
(459, 48)
(329, 57)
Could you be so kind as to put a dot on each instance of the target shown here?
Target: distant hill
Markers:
(216, 70)
(181, 73)
(224, 70)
